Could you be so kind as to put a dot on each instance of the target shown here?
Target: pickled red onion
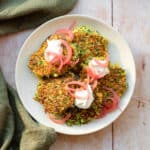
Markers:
(92, 75)
(67, 32)
(102, 64)
(61, 58)
(77, 83)
(72, 25)
(109, 107)
(94, 85)
(71, 91)
(69, 51)
(59, 121)
(115, 100)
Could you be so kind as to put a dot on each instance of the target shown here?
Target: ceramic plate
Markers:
(26, 82)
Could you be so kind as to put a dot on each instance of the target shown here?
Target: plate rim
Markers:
(91, 18)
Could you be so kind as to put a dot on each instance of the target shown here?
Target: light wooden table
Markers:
(132, 130)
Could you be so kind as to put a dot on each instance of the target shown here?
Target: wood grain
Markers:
(132, 130)
(101, 140)
(9, 49)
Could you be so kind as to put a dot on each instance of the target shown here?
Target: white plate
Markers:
(26, 81)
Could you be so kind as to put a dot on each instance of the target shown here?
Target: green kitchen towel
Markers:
(16, 15)
(6, 117)
(18, 131)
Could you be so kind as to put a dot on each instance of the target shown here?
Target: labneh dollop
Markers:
(98, 69)
(84, 98)
(53, 48)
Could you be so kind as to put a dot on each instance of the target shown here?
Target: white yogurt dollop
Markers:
(98, 70)
(54, 46)
(84, 102)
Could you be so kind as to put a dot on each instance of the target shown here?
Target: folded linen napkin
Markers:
(18, 131)
(16, 15)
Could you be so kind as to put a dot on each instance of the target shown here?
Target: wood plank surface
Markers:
(132, 130)
(9, 48)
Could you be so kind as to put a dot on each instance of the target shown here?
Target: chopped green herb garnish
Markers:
(40, 62)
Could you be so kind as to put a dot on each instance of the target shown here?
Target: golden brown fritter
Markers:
(85, 46)
(41, 67)
(116, 80)
(51, 93)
